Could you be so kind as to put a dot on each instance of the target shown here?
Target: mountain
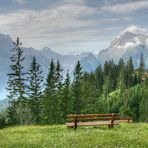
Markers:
(130, 42)
(44, 56)
(89, 63)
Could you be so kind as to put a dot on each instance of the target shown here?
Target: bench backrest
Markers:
(92, 117)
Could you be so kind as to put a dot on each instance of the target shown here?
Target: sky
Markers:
(70, 26)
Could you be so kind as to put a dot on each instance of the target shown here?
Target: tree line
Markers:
(35, 99)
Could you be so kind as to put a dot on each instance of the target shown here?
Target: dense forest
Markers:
(37, 99)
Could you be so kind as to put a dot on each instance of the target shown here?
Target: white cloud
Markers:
(56, 25)
(63, 24)
(132, 44)
(69, 10)
(125, 7)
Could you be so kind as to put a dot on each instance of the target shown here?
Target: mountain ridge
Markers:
(43, 57)
(130, 42)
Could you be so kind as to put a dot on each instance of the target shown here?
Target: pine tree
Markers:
(121, 64)
(99, 78)
(16, 84)
(66, 97)
(129, 73)
(53, 98)
(58, 76)
(76, 89)
(121, 79)
(90, 94)
(134, 100)
(58, 96)
(35, 88)
(106, 68)
(49, 102)
(113, 74)
(141, 69)
(144, 103)
(142, 64)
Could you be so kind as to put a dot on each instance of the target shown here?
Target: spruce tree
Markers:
(129, 73)
(16, 85)
(99, 78)
(141, 69)
(106, 68)
(90, 94)
(66, 97)
(58, 95)
(113, 74)
(142, 64)
(58, 76)
(76, 89)
(121, 79)
(144, 103)
(49, 103)
(121, 64)
(35, 88)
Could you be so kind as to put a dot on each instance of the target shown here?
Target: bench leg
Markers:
(110, 126)
(74, 128)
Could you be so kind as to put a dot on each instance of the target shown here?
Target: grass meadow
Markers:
(59, 136)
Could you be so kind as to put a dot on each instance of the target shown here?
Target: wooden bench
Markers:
(109, 120)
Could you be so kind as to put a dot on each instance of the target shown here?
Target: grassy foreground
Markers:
(124, 135)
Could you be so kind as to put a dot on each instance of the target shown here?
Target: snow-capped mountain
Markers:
(130, 42)
(44, 56)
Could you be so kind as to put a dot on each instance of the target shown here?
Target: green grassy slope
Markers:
(124, 135)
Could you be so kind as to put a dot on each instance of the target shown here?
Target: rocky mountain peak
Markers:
(132, 41)
(128, 37)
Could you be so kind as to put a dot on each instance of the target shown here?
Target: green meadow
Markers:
(59, 136)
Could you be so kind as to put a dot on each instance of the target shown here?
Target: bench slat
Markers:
(92, 115)
(71, 124)
(92, 119)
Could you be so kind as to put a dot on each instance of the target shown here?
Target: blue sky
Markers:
(70, 26)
